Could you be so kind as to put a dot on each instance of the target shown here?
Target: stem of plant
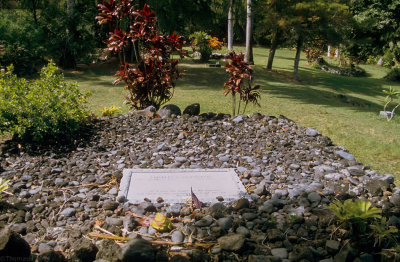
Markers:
(233, 103)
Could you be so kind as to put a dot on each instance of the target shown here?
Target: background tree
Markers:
(249, 30)
(230, 26)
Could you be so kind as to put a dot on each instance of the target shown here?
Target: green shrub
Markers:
(199, 42)
(47, 107)
(394, 74)
(109, 111)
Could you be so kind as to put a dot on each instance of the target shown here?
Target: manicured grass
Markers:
(344, 108)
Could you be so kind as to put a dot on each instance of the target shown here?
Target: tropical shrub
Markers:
(215, 44)
(394, 74)
(3, 185)
(314, 50)
(239, 82)
(200, 42)
(109, 111)
(151, 82)
(47, 107)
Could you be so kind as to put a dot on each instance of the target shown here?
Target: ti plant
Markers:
(151, 81)
(239, 82)
(355, 213)
(3, 185)
(391, 94)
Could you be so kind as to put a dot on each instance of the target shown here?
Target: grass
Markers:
(344, 108)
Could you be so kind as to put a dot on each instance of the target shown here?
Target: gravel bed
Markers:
(61, 193)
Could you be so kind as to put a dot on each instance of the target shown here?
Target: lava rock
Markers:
(137, 250)
(108, 251)
(83, 250)
(234, 242)
(12, 245)
(192, 110)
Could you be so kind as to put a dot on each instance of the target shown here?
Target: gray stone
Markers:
(314, 197)
(177, 236)
(312, 132)
(205, 221)
(147, 112)
(257, 258)
(113, 221)
(355, 171)
(110, 205)
(225, 222)
(232, 242)
(68, 212)
(332, 246)
(238, 119)
(168, 110)
(346, 253)
(280, 252)
(345, 155)
(243, 230)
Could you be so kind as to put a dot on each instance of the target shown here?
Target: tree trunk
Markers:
(34, 7)
(271, 55)
(329, 51)
(233, 104)
(67, 59)
(299, 44)
(249, 52)
(230, 26)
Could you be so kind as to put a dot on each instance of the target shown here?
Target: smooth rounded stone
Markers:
(177, 236)
(238, 119)
(121, 199)
(225, 222)
(44, 247)
(68, 212)
(314, 197)
(19, 228)
(58, 181)
(224, 158)
(128, 223)
(345, 155)
(259, 258)
(51, 256)
(83, 250)
(174, 210)
(113, 221)
(274, 235)
(261, 190)
(312, 132)
(113, 191)
(294, 166)
(240, 204)
(205, 221)
(234, 242)
(110, 205)
(180, 159)
(243, 230)
(266, 209)
(151, 230)
(280, 252)
(137, 250)
(192, 110)
(295, 192)
(168, 110)
(249, 216)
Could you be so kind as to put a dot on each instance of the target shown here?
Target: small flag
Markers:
(195, 201)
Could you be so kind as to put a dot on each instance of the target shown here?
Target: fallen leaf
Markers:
(161, 223)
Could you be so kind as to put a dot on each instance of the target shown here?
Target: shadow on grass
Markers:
(315, 87)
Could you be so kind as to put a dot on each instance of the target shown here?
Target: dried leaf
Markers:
(195, 201)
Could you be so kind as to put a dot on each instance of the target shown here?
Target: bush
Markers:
(240, 79)
(47, 107)
(200, 42)
(394, 74)
(151, 82)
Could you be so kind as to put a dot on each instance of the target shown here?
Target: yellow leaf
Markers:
(161, 223)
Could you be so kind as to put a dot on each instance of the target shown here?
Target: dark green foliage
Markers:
(20, 41)
(394, 74)
(47, 107)
(199, 42)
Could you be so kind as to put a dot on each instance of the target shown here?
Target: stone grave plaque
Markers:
(173, 185)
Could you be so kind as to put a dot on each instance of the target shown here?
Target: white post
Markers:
(230, 26)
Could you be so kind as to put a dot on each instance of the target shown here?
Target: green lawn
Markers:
(344, 108)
